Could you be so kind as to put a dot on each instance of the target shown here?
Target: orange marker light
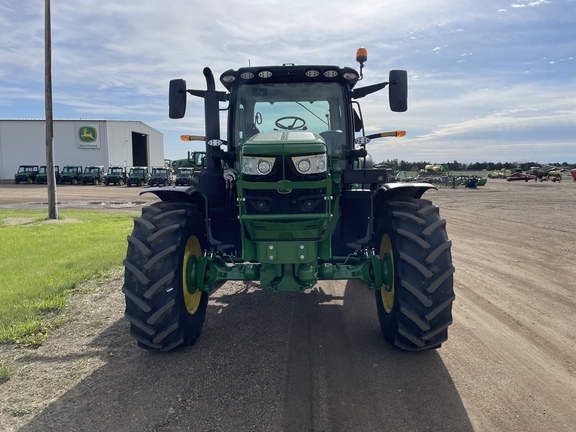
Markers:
(392, 134)
(192, 138)
(387, 134)
(361, 55)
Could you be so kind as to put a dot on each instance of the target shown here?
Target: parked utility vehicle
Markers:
(93, 175)
(116, 175)
(184, 176)
(26, 174)
(138, 176)
(72, 174)
(160, 176)
(42, 177)
(289, 198)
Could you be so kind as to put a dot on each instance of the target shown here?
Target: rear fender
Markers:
(392, 191)
(189, 194)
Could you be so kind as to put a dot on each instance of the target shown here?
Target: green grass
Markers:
(41, 262)
(5, 373)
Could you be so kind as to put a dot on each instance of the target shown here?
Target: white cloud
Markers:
(539, 2)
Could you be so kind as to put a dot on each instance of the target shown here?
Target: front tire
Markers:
(163, 314)
(416, 310)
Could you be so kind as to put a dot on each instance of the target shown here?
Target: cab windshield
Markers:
(313, 107)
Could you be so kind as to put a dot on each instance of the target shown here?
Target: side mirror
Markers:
(177, 98)
(398, 90)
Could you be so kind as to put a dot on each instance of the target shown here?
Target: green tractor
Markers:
(187, 170)
(290, 198)
(195, 160)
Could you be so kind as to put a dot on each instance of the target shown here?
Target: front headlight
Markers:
(313, 164)
(257, 165)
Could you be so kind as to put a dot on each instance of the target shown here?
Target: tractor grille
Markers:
(291, 201)
(297, 201)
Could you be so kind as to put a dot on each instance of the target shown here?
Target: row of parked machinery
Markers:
(115, 175)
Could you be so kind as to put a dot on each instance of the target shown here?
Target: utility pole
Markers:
(50, 174)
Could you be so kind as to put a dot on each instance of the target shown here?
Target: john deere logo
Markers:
(87, 134)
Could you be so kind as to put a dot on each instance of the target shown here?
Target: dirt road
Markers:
(317, 361)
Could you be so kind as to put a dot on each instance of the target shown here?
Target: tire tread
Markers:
(423, 297)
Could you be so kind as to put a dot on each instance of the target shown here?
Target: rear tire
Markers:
(163, 315)
(415, 312)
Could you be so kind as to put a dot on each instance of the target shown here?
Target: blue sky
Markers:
(491, 80)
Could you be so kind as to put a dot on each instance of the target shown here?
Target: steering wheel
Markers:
(297, 123)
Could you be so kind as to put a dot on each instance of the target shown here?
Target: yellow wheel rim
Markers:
(387, 291)
(191, 299)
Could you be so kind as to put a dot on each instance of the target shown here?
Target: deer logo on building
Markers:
(87, 134)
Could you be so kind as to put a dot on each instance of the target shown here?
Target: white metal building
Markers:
(79, 142)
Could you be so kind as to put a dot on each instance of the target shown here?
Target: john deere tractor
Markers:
(288, 198)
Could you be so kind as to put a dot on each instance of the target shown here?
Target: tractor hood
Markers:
(284, 142)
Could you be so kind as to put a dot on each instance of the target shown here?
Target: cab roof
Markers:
(289, 74)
